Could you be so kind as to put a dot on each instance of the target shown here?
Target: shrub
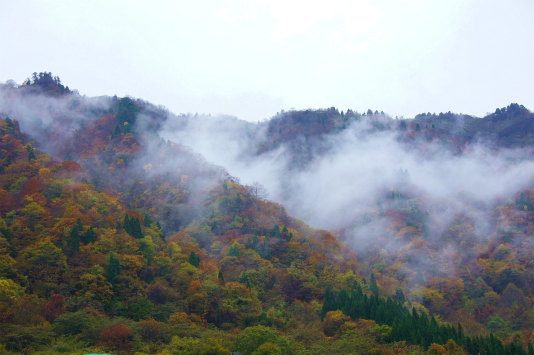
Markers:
(72, 323)
(119, 337)
(26, 339)
(153, 331)
(196, 346)
(252, 338)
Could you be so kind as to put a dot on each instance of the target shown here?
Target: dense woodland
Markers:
(113, 239)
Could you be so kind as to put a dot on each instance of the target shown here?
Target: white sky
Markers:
(253, 58)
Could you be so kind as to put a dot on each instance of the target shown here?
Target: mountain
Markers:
(125, 228)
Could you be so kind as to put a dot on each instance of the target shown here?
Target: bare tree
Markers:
(258, 190)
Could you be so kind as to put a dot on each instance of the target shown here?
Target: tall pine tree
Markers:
(194, 259)
(373, 287)
(73, 244)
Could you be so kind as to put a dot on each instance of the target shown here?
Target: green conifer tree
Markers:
(135, 225)
(89, 236)
(147, 221)
(399, 296)
(31, 152)
(194, 259)
(73, 244)
(126, 224)
(113, 269)
(275, 232)
(373, 287)
(233, 251)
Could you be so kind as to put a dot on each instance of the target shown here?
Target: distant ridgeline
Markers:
(305, 132)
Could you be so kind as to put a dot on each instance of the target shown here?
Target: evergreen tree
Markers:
(373, 287)
(127, 111)
(132, 226)
(233, 251)
(113, 268)
(6, 233)
(460, 334)
(265, 250)
(126, 223)
(194, 259)
(220, 276)
(31, 152)
(147, 221)
(399, 296)
(414, 327)
(73, 244)
(275, 232)
(329, 303)
(136, 228)
(10, 124)
(89, 236)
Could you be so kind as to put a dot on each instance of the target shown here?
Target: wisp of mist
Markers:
(336, 187)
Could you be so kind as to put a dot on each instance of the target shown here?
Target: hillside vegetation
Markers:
(114, 239)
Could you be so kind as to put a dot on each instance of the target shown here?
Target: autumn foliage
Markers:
(117, 338)
(102, 248)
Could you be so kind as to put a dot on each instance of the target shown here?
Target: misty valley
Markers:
(128, 229)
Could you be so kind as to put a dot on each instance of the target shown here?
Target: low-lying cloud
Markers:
(48, 119)
(346, 187)
(351, 178)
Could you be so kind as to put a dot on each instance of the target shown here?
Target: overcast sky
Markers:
(253, 58)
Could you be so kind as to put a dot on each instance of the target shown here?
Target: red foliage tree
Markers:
(55, 307)
(152, 331)
(32, 186)
(119, 337)
(71, 167)
(7, 203)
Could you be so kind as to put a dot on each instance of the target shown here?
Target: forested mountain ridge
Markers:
(139, 240)
(304, 132)
(75, 256)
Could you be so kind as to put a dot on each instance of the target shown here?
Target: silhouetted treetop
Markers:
(48, 84)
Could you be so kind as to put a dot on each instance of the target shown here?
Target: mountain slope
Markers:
(67, 247)
(122, 240)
